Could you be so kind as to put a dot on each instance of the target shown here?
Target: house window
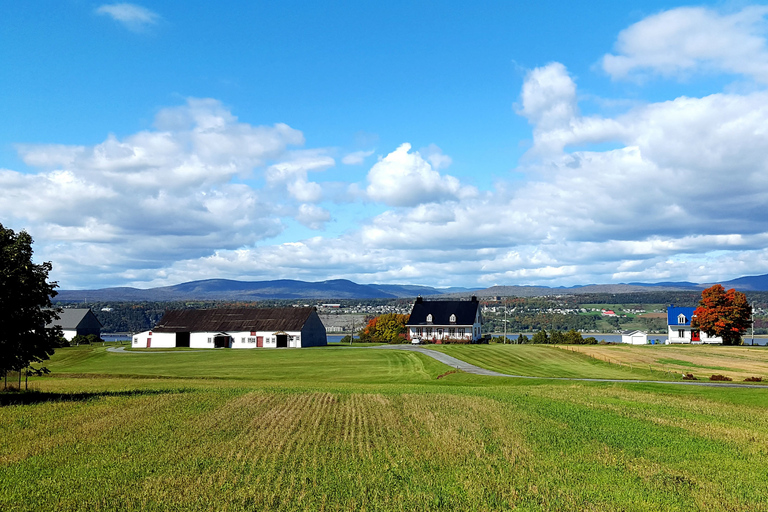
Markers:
(461, 332)
(210, 340)
(251, 340)
(440, 332)
(242, 340)
(681, 319)
(420, 331)
(429, 331)
(452, 332)
(681, 333)
(452, 319)
(429, 317)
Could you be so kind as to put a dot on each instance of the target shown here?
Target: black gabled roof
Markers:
(441, 311)
(70, 319)
(234, 319)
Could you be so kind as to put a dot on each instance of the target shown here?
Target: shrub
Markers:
(590, 341)
(753, 379)
(522, 339)
(92, 338)
(80, 340)
(720, 377)
(456, 341)
(689, 376)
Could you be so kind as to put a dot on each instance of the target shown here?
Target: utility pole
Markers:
(753, 327)
(505, 321)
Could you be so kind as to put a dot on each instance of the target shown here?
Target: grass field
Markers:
(368, 429)
(701, 360)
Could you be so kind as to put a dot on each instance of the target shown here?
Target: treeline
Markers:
(538, 321)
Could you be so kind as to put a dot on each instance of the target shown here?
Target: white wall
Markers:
(158, 340)
(240, 340)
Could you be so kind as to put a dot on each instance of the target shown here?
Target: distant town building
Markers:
(437, 320)
(680, 330)
(77, 322)
(236, 328)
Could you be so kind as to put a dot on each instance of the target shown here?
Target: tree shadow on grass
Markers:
(38, 397)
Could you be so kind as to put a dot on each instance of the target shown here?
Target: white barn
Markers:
(75, 322)
(236, 328)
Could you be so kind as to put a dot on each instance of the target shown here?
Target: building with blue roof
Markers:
(679, 328)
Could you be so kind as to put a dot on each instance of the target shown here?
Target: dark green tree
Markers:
(540, 337)
(25, 305)
(573, 337)
(522, 339)
(557, 338)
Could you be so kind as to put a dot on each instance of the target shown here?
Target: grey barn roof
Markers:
(441, 311)
(70, 319)
(234, 319)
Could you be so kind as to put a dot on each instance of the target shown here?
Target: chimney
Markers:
(474, 298)
(419, 300)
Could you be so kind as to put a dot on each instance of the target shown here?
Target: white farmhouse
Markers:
(680, 330)
(438, 320)
(236, 328)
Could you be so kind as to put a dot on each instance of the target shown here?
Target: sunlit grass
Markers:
(347, 429)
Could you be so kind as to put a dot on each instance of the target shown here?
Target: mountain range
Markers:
(227, 289)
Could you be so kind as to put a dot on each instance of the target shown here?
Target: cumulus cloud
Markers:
(405, 178)
(687, 40)
(155, 196)
(134, 17)
(291, 174)
(313, 216)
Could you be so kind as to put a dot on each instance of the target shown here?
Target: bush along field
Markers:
(369, 429)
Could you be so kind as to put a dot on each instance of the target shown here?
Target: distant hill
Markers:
(227, 289)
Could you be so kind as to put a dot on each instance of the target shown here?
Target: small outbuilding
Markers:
(77, 322)
(236, 328)
(634, 337)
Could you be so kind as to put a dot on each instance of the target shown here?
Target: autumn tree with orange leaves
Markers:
(387, 328)
(723, 313)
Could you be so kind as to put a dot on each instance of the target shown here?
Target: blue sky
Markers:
(436, 143)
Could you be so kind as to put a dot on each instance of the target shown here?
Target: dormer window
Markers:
(681, 319)
(452, 319)
(429, 318)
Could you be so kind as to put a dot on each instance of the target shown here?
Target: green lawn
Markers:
(547, 361)
(367, 429)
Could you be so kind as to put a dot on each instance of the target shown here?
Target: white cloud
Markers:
(356, 158)
(152, 197)
(687, 40)
(403, 178)
(313, 216)
(134, 17)
(436, 157)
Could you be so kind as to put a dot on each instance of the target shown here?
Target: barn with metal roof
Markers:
(236, 328)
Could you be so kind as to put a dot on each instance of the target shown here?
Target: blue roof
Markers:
(673, 313)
